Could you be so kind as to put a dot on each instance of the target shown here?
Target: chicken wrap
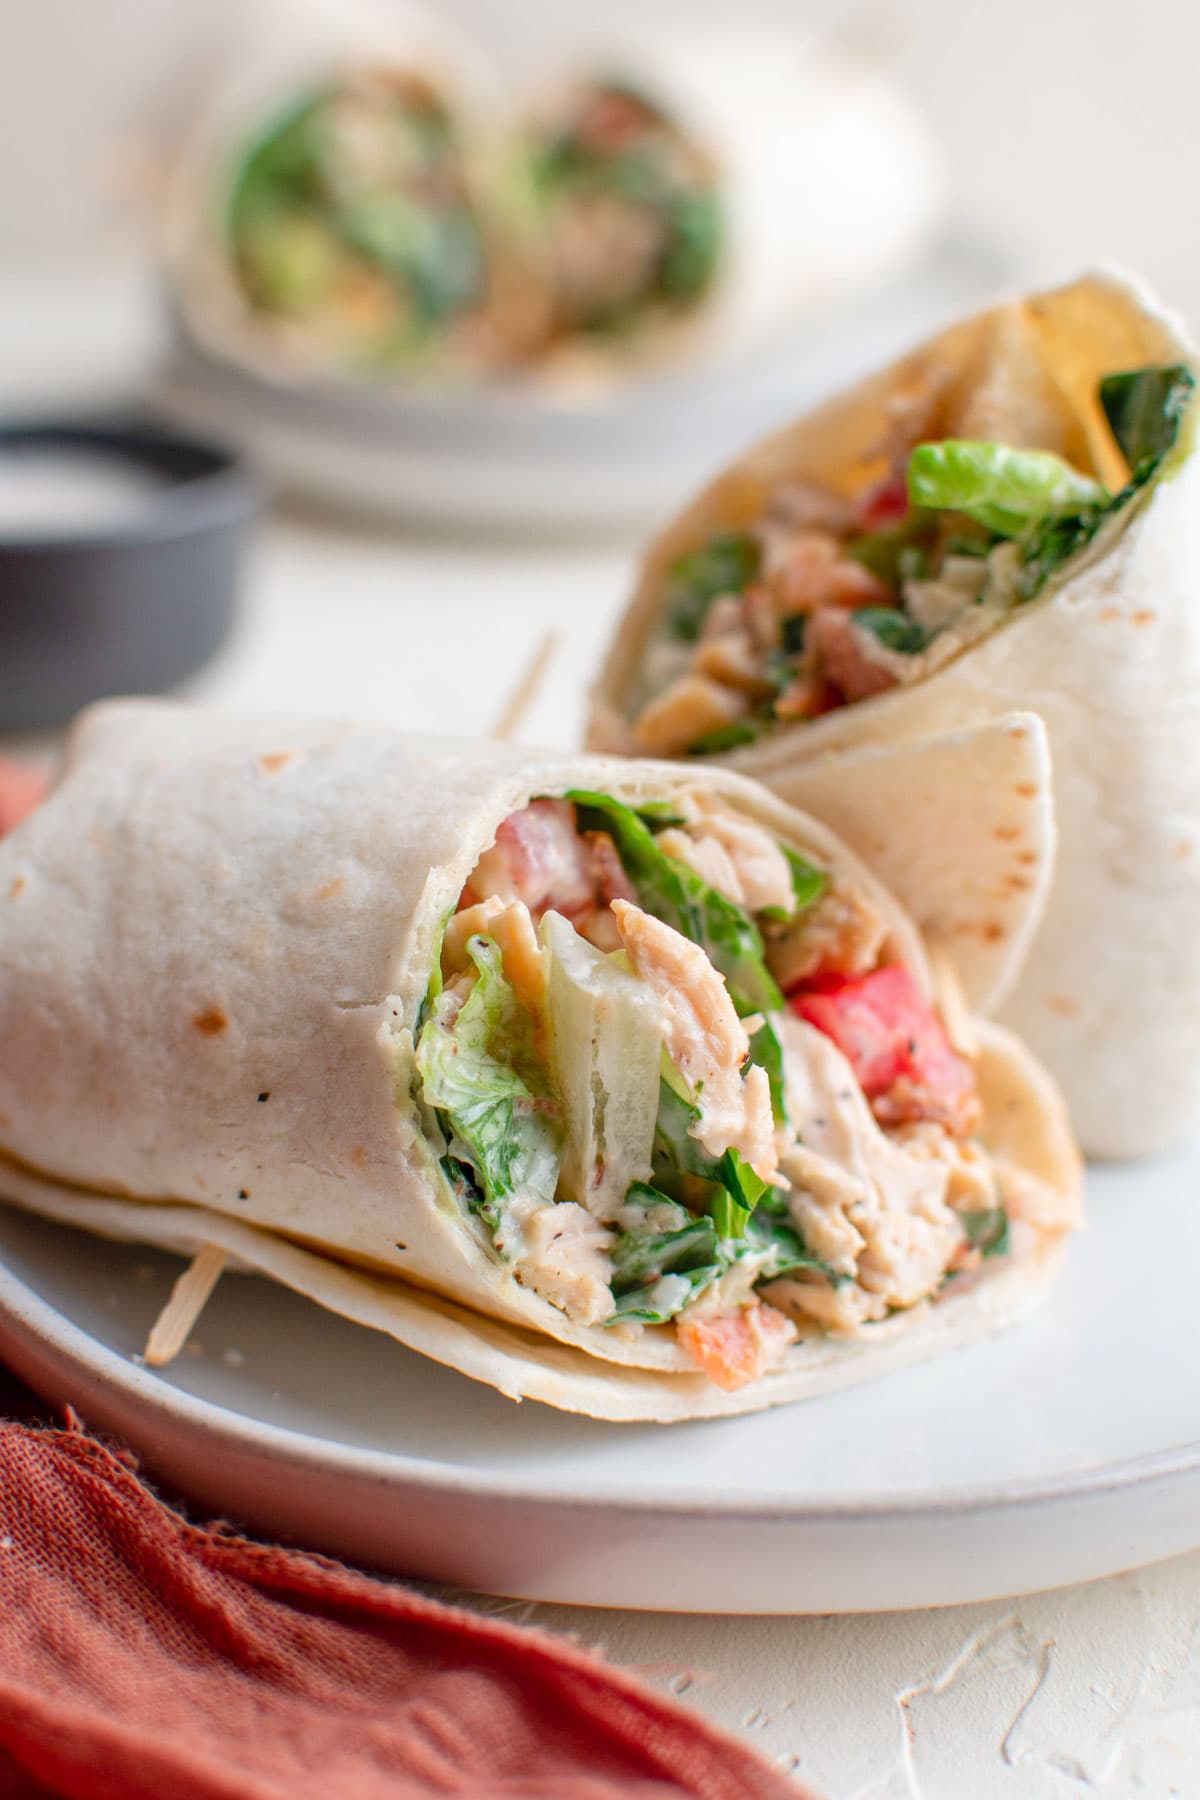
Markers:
(619, 207)
(1008, 518)
(619, 1085)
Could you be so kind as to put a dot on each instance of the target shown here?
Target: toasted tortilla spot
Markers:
(211, 1022)
(1109, 613)
(1007, 833)
(1145, 615)
(332, 888)
(1029, 858)
(271, 761)
(18, 887)
(991, 931)
(1063, 1005)
(1026, 789)
(1018, 883)
(1183, 848)
(358, 1155)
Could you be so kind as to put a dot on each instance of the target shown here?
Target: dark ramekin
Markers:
(129, 609)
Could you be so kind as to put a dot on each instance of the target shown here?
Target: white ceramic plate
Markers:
(1068, 1449)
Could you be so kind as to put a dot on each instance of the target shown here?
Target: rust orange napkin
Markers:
(145, 1658)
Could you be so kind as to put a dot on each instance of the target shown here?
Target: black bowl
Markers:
(125, 606)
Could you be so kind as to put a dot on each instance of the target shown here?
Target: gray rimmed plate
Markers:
(517, 457)
(1067, 1449)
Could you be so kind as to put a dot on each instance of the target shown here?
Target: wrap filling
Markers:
(826, 598)
(679, 1081)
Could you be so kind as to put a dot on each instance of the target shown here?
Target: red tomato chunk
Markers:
(885, 505)
(896, 1046)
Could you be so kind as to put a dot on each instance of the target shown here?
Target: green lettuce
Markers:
(1051, 509)
(893, 629)
(987, 1230)
(730, 737)
(480, 1074)
(771, 1227)
(1144, 409)
(733, 1190)
(676, 1245)
(726, 564)
(1005, 490)
(682, 899)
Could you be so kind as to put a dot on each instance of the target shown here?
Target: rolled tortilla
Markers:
(217, 940)
(1106, 653)
(400, 279)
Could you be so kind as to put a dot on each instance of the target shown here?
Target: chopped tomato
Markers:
(845, 655)
(818, 573)
(538, 858)
(735, 1348)
(21, 789)
(896, 1045)
(883, 506)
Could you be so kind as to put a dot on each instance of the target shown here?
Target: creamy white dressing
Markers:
(833, 1119)
(874, 1208)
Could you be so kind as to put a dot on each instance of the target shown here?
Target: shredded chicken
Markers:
(958, 583)
(842, 933)
(685, 711)
(462, 926)
(522, 956)
(813, 571)
(704, 1039)
(763, 877)
(971, 1186)
(855, 662)
(564, 1257)
(734, 660)
(874, 1208)
(705, 857)
(828, 1231)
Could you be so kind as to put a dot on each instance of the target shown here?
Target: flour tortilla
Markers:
(1108, 656)
(294, 48)
(214, 940)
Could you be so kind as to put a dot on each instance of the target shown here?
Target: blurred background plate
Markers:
(518, 458)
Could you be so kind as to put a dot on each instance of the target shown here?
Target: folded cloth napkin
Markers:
(21, 787)
(146, 1658)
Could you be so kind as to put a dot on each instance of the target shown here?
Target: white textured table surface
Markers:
(1091, 1690)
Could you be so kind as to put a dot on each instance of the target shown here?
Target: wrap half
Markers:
(1007, 518)
(488, 1048)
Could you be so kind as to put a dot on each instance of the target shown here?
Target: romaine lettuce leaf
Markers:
(733, 1190)
(726, 564)
(480, 1074)
(1144, 408)
(767, 1051)
(680, 898)
(892, 627)
(656, 1271)
(987, 1230)
(770, 1228)
(731, 737)
(605, 1045)
(1005, 490)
